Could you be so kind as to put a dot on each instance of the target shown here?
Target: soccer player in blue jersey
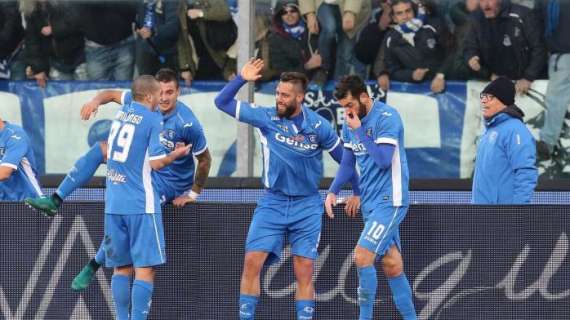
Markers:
(17, 164)
(134, 236)
(373, 137)
(176, 182)
(292, 138)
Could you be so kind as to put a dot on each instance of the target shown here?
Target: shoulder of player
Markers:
(16, 132)
(315, 120)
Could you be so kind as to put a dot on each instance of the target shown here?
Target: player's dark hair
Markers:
(352, 84)
(167, 75)
(143, 85)
(296, 78)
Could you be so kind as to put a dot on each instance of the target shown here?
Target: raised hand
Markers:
(251, 71)
(88, 109)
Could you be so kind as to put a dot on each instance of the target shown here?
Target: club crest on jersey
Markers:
(298, 138)
(165, 139)
(369, 132)
(2, 150)
(312, 138)
(283, 127)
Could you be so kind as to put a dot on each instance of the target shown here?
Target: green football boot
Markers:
(82, 280)
(46, 205)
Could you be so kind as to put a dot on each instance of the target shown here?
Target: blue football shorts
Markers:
(382, 228)
(276, 216)
(134, 239)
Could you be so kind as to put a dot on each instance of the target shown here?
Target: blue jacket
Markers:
(505, 167)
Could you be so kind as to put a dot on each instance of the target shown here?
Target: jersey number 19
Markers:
(124, 132)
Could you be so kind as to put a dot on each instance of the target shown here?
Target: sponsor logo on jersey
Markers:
(296, 141)
(116, 177)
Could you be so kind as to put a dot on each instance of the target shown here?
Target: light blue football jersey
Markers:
(16, 153)
(384, 125)
(292, 156)
(179, 126)
(134, 140)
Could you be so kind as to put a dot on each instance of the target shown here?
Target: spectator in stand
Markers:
(413, 49)
(556, 15)
(369, 43)
(109, 39)
(207, 31)
(12, 64)
(505, 40)
(55, 48)
(291, 46)
(336, 22)
(157, 30)
(454, 65)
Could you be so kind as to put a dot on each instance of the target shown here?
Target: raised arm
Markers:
(225, 100)
(102, 97)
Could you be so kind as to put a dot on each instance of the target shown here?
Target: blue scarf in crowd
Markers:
(408, 29)
(296, 31)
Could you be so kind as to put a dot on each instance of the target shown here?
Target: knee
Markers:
(392, 267)
(252, 265)
(303, 269)
(363, 258)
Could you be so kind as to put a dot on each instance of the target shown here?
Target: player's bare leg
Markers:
(250, 283)
(305, 295)
(393, 266)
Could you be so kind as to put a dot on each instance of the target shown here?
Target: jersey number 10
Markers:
(124, 132)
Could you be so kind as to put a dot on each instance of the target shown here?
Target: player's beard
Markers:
(288, 112)
(361, 110)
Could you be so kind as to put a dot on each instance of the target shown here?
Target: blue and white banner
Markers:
(441, 130)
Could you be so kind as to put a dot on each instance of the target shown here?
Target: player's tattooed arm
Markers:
(202, 171)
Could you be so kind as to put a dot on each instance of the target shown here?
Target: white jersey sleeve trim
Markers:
(238, 107)
(9, 165)
(29, 172)
(336, 144)
(160, 156)
(200, 151)
(387, 140)
(123, 95)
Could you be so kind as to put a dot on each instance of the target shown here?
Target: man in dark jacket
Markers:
(11, 38)
(505, 169)
(505, 39)
(109, 40)
(413, 49)
(54, 43)
(157, 29)
(291, 47)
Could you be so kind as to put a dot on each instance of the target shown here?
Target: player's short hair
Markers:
(296, 78)
(167, 75)
(143, 85)
(352, 84)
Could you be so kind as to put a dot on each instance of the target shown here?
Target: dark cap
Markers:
(503, 89)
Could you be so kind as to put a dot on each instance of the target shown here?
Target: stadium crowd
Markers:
(401, 40)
